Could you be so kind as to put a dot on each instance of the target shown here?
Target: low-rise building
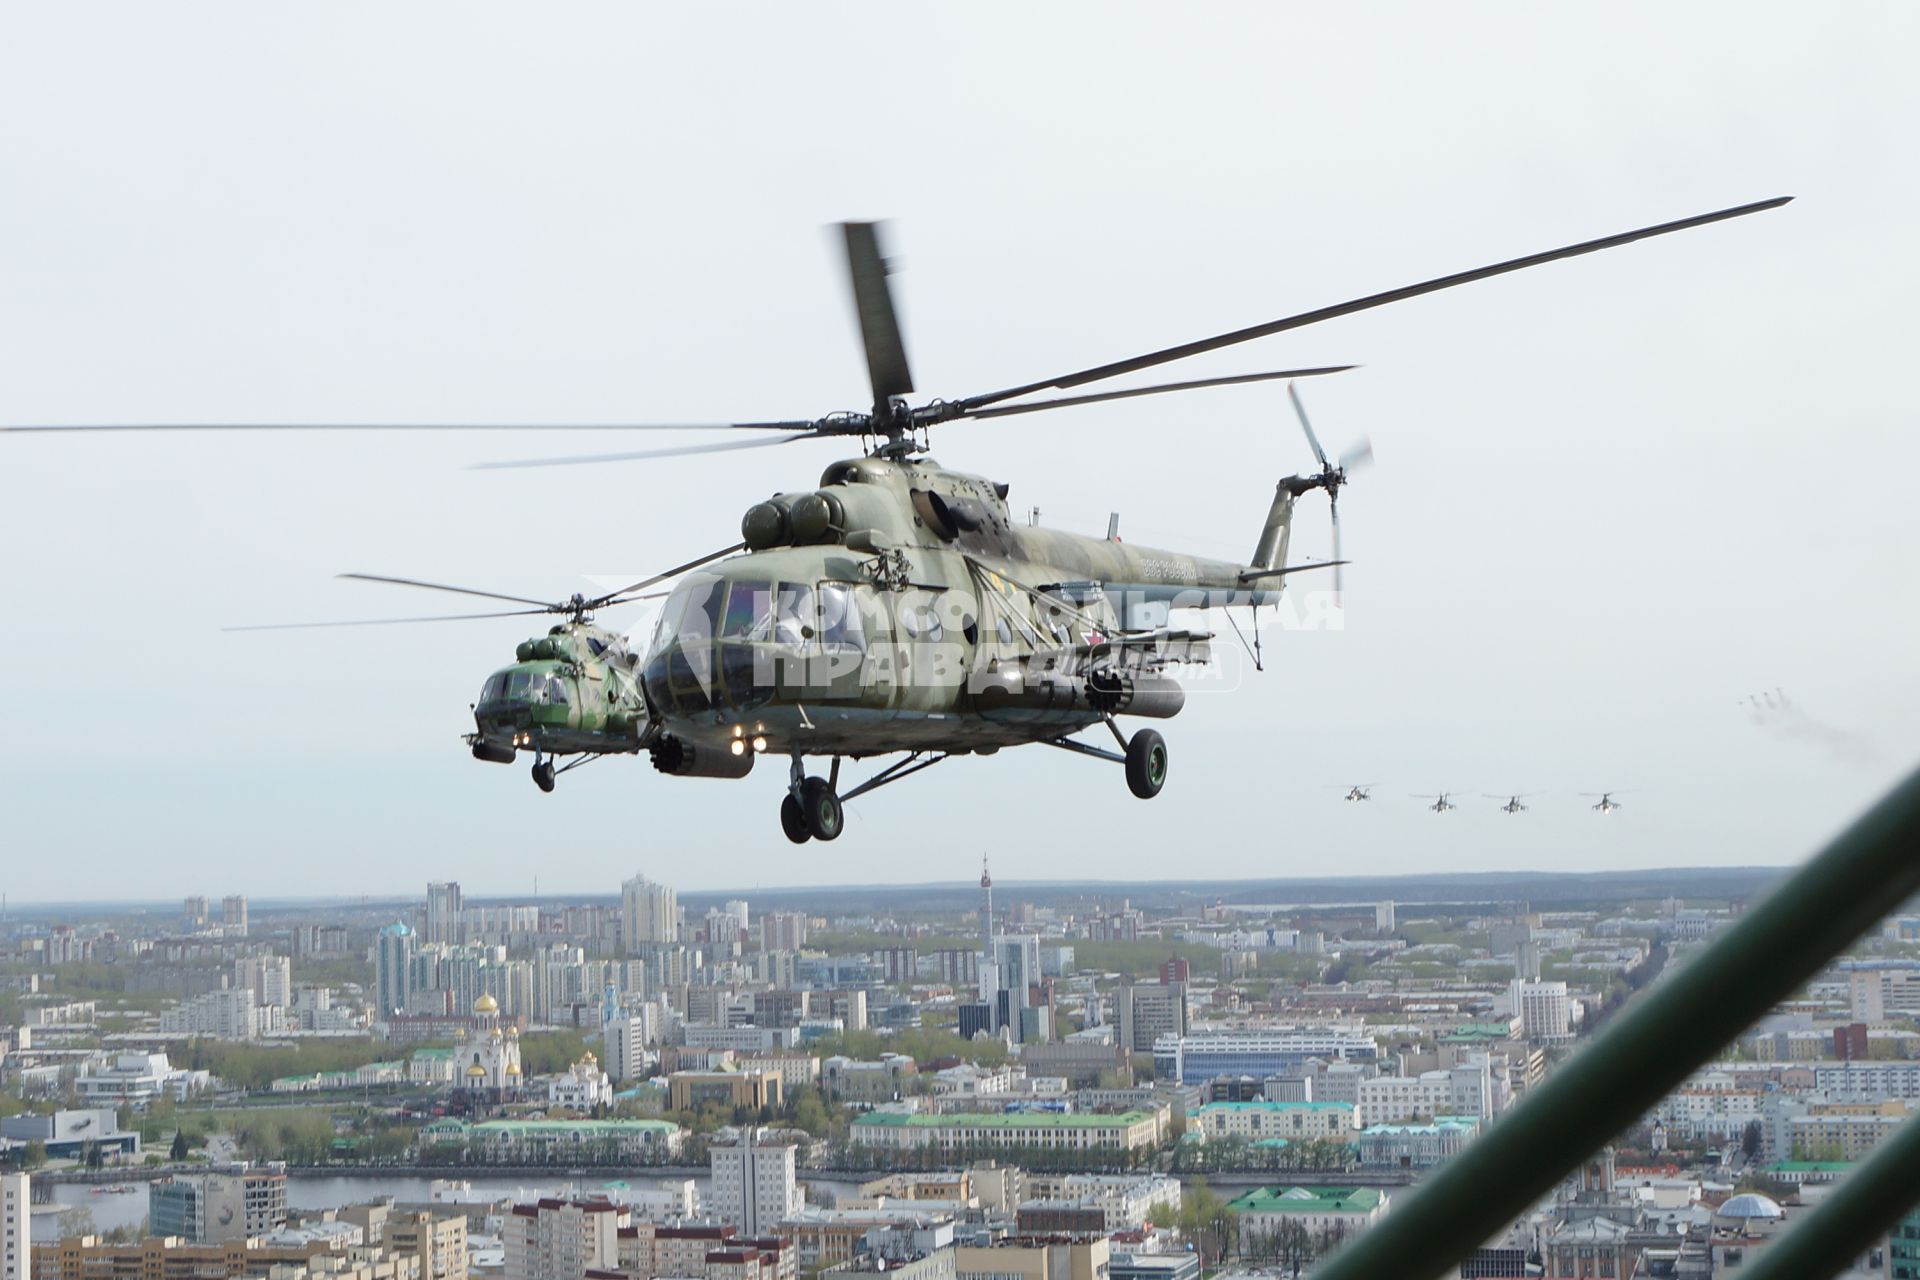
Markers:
(970, 1131)
(1414, 1146)
(690, 1090)
(138, 1077)
(72, 1134)
(583, 1087)
(1260, 1121)
(1334, 1210)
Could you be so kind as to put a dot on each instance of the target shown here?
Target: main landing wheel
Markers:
(820, 809)
(794, 822)
(543, 775)
(1146, 763)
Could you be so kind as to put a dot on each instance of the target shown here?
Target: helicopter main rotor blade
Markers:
(1181, 352)
(1300, 411)
(1261, 574)
(795, 425)
(1333, 517)
(620, 596)
(1232, 380)
(441, 586)
(677, 451)
(387, 622)
(1358, 454)
(887, 370)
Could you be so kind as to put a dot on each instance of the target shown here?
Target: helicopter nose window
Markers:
(517, 685)
(749, 613)
(793, 614)
(495, 688)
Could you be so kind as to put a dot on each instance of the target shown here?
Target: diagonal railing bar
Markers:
(1650, 1047)
(1852, 1217)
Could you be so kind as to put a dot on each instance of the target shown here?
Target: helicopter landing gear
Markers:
(1146, 763)
(1144, 755)
(793, 821)
(811, 809)
(543, 775)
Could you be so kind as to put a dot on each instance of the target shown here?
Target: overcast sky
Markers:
(1615, 496)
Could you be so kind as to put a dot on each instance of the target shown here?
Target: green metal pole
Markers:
(1852, 1217)
(1651, 1046)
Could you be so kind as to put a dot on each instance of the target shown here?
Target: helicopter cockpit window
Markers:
(495, 687)
(691, 616)
(749, 613)
(556, 691)
(840, 627)
(517, 685)
(793, 614)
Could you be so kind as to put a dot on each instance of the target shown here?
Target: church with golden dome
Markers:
(488, 1061)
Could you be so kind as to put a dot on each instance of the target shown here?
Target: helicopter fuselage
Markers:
(898, 607)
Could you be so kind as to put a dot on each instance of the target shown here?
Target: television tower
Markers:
(989, 971)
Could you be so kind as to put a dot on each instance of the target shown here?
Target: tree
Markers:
(33, 1155)
(1750, 1139)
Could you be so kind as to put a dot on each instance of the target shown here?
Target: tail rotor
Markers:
(1331, 476)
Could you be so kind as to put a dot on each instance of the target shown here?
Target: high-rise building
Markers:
(393, 970)
(16, 1220)
(439, 1242)
(1903, 1246)
(1146, 1011)
(270, 978)
(649, 914)
(753, 1184)
(197, 912)
(1175, 969)
(1544, 1009)
(737, 908)
(1383, 917)
(556, 1239)
(783, 931)
(210, 1208)
(233, 915)
(444, 914)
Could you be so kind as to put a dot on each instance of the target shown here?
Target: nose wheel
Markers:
(543, 775)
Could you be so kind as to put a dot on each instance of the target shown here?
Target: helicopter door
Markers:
(842, 669)
(936, 632)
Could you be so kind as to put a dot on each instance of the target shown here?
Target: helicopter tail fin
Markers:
(1271, 551)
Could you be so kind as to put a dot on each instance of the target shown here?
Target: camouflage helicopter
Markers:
(897, 608)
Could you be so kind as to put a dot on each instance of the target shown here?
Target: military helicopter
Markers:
(1513, 805)
(1605, 804)
(1360, 791)
(896, 608)
(1441, 802)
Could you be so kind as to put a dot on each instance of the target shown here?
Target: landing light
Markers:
(759, 744)
(738, 747)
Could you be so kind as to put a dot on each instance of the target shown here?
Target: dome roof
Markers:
(513, 1033)
(1750, 1204)
(476, 1071)
(486, 1004)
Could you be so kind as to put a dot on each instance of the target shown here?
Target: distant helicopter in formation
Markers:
(894, 607)
(1605, 804)
(1513, 804)
(1363, 791)
(1441, 802)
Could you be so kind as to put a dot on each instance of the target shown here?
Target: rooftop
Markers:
(1016, 1120)
(1308, 1200)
